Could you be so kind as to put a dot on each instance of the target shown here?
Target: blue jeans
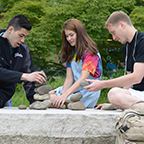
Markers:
(8, 103)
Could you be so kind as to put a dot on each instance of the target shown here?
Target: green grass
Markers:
(103, 96)
(19, 97)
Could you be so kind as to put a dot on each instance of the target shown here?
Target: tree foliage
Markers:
(47, 18)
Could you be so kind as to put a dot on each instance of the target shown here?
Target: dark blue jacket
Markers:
(12, 66)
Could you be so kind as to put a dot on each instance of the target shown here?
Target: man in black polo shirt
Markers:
(120, 27)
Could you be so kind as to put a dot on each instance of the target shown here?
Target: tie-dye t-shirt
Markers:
(89, 63)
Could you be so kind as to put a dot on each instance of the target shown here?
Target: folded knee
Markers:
(113, 93)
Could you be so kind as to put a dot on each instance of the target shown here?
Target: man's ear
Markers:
(122, 24)
(10, 29)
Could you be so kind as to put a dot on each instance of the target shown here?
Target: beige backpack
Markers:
(130, 126)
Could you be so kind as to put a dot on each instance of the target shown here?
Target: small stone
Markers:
(42, 97)
(35, 90)
(108, 107)
(76, 106)
(84, 83)
(43, 89)
(22, 107)
(63, 106)
(67, 102)
(41, 105)
(76, 97)
(39, 84)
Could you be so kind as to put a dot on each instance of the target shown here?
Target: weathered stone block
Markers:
(57, 126)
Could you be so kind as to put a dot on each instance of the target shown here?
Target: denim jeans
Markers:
(8, 103)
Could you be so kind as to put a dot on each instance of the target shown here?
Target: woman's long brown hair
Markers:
(83, 41)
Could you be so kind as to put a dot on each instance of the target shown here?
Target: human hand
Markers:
(100, 106)
(95, 86)
(60, 101)
(31, 104)
(34, 76)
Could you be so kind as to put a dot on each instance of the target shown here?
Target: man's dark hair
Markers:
(20, 21)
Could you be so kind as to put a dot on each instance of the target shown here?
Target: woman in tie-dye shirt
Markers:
(83, 61)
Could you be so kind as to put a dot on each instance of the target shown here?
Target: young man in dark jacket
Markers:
(15, 61)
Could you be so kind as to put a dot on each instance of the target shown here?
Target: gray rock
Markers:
(35, 90)
(108, 107)
(38, 105)
(63, 106)
(76, 97)
(67, 102)
(76, 106)
(43, 89)
(84, 83)
(22, 107)
(39, 84)
(42, 97)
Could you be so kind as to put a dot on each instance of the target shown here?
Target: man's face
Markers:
(16, 38)
(117, 33)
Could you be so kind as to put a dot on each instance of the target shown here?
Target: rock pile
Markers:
(42, 96)
(75, 103)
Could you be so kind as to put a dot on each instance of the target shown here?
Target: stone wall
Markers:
(56, 126)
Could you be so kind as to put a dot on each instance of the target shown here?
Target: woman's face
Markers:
(70, 37)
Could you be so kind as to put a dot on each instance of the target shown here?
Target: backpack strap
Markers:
(136, 103)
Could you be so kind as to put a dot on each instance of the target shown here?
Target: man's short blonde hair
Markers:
(116, 17)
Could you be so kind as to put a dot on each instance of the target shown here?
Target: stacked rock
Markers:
(75, 103)
(84, 83)
(42, 96)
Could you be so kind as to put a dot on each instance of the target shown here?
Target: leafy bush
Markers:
(47, 18)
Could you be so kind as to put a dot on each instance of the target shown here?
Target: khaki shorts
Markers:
(137, 93)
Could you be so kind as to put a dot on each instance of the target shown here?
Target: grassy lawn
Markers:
(19, 97)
